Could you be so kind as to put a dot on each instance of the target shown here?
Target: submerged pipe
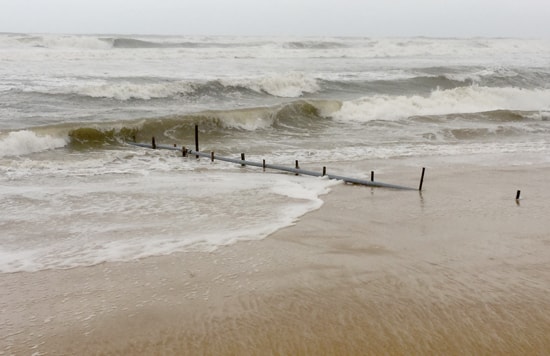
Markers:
(280, 168)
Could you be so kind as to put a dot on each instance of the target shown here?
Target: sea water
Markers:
(74, 193)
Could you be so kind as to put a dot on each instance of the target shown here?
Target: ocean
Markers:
(73, 192)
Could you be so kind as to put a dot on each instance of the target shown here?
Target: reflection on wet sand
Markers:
(464, 272)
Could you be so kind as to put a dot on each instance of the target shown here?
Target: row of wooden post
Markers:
(184, 153)
(296, 163)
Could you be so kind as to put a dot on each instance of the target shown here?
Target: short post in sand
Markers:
(197, 140)
(422, 178)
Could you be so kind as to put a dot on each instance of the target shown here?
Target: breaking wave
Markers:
(287, 85)
(124, 91)
(471, 99)
(298, 84)
(449, 112)
(298, 115)
(19, 143)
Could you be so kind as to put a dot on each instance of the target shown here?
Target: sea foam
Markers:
(120, 217)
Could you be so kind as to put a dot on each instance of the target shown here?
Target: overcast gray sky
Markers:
(439, 18)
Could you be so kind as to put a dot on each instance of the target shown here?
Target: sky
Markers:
(371, 18)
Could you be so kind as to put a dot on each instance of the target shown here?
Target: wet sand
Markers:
(461, 268)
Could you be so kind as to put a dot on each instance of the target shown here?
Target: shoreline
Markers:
(458, 268)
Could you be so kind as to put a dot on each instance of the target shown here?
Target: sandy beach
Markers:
(458, 269)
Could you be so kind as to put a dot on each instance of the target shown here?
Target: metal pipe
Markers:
(306, 172)
(281, 168)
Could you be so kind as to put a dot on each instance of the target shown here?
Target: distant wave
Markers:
(122, 42)
(126, 90)
(60, 41)
(463, 50)
(421, 82)
(133, 43)
(314, 44)
(102, 42)
(502, 77)
(284, 85)
(92, 42)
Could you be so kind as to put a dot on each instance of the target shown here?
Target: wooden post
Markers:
(324, 171)
(297, 166)
(422, 178)
(372, 176)
(197, 139)
(183, 151)
(153, 144)
(242, 159)
(263, 164)
(212, 156)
